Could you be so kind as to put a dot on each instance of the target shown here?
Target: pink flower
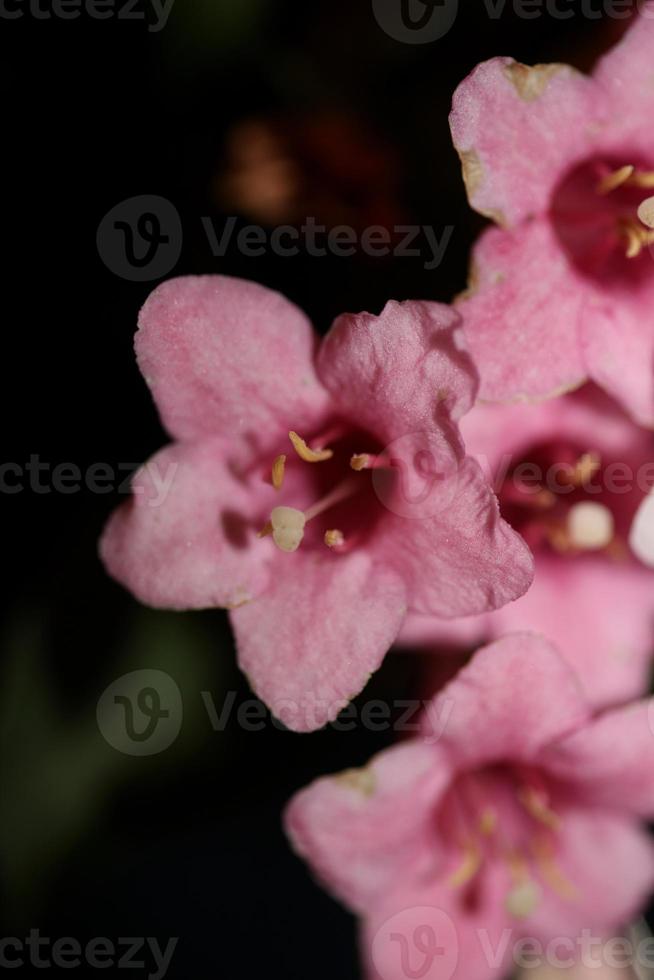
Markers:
(284, 502)
(572, 476)
(516, 815)
(564, 289)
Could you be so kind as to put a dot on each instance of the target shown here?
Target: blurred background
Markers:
(265, 112)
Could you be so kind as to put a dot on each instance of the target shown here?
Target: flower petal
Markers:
(461, 557)
(363, 829)
(611, 760)
(617, 341)
(521, 315)
(186, 538)
(515, 697)
(609, 862)
(625, 74)
(228, 357)
(400, 372)
(428, 930)
(600, 616)
(311, 642)
(517, 130)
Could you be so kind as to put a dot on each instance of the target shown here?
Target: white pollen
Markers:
(641, 537)
(646, 212)
(287, 527)
(523, 899)
(590, 526)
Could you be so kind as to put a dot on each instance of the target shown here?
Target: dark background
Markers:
(188, 843)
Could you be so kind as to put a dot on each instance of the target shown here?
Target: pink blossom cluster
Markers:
(387, 485)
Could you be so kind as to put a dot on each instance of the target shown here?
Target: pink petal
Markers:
(617, 338)
(428, 928)
(362, 830)
(464, 559)
(515, 697)
(401, 372)
(518, 131)
(228, 357)
(625, 74)
(310, 643)
(600, 616)
(611, 761)
(609, 861)
(521, 315)
(186, 538)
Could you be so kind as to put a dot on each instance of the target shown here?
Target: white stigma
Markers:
(523, 899)
(287, 527)
(641, 537)
(590, 526)
(646, 212)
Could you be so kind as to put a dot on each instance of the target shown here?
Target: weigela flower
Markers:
(517, 814)
(319, 491)
(572, 475)
(564, 163)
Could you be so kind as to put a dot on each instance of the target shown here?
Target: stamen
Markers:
(590, 526)
(468, 868)
(265, 530)
(334, 539)
(642, 178)
(307, 454)
(585, 469)
(615, 179)
(278, 472)
(488, 822)
(552, 874)
(535, 803)
(646, 212)
(287, 527)
(367, 461)
(637, 238)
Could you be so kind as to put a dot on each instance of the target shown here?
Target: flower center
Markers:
(338, 479)
(505, 814)
(603, 213)
(556, 499)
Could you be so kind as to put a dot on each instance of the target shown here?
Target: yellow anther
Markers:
(334, 538)
(551, 873)
(360, 461)
(488, 822)
(636, 237)
(468, 868)
(307, 454)
(585, 469)
(265, 531)
(278, 472)
(535, 804)
(642, 178)
(615, 179)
